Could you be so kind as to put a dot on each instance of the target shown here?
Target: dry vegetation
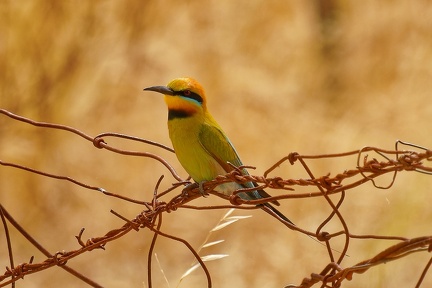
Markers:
(280, 77)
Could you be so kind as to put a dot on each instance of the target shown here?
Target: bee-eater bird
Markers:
(201, 146)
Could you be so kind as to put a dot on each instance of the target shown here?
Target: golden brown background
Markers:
(281, 76)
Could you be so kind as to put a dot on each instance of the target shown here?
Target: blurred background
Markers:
(308, 76)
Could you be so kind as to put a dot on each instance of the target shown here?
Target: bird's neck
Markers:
(184, 122)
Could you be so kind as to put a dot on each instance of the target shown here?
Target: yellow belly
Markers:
(192, 156)
(199, 164)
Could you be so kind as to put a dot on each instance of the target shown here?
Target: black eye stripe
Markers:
(189, 94)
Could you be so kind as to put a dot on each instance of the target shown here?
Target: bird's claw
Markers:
(199, 185)
(201, 189)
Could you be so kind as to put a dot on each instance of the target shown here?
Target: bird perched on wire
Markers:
(199, 142)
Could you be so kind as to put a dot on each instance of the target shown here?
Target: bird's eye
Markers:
(190, 95)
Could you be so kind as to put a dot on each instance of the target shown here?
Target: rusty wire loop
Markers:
(98, 142)
(367, 169)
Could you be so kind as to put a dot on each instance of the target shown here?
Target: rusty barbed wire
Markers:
(99, 142)
(333, 275)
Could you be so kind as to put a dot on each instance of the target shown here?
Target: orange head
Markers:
(183, 96)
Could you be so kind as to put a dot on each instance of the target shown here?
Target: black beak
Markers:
(161, 89)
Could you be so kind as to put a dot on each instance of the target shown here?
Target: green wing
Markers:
(220, 148)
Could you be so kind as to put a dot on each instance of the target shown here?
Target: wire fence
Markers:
(181, 195)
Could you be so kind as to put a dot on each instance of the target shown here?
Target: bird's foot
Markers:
(201, 189)
(188, 187)
(199, 185)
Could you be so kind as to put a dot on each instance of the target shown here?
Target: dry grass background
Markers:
(280, 77)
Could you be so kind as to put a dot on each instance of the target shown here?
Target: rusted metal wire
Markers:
(333, 275)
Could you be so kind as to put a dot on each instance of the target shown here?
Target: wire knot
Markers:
(323, 236)
(235, 199)
(98, 142)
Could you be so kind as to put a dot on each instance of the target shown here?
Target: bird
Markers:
(200, 144)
